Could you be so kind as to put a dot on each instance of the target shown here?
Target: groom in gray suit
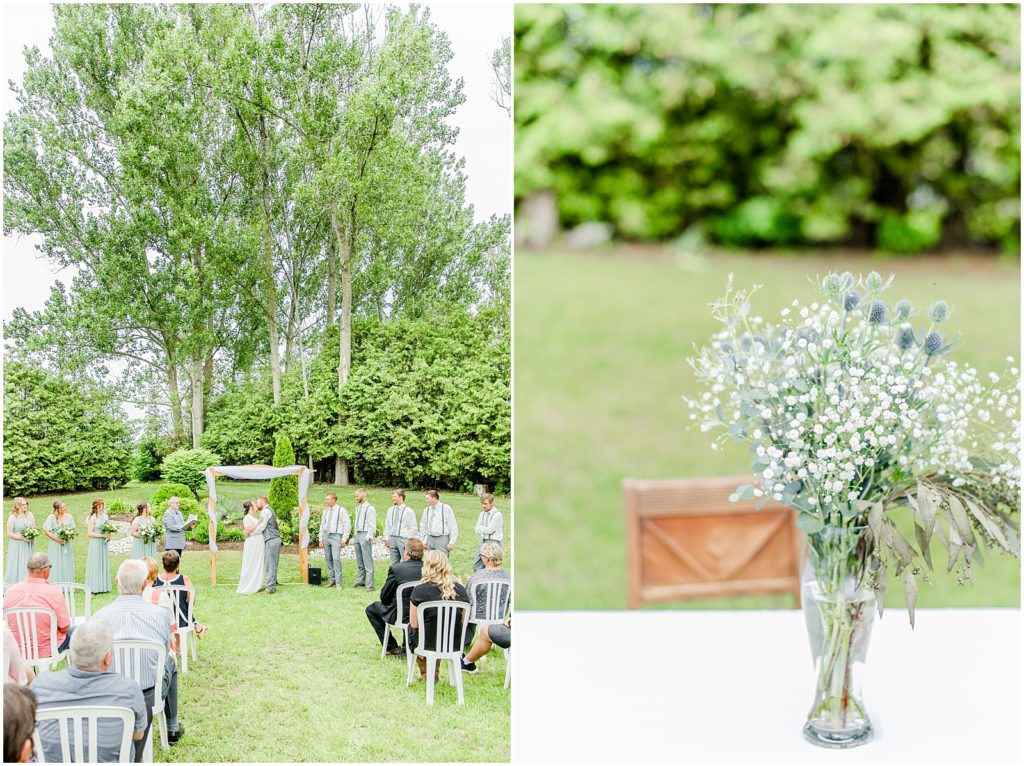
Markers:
(174, 527)
(271, 543)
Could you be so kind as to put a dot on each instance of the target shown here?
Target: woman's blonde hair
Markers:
(20, 505)
(437, 569)
(153, 569)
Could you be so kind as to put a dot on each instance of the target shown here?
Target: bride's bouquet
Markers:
(148, 533)
(30, 533)
(65, 532)
(108, 528)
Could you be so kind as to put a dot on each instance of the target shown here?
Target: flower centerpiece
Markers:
(65, 532)
(108, 528)
(30, 533)
(148, 533)
(854, 413)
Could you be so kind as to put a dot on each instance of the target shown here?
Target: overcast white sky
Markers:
(485, 131)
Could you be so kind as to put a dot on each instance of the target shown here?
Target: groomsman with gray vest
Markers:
(489, 526)
(271, 543)
(438, 527)
(399, 525)
(365, 531)
(334, 532)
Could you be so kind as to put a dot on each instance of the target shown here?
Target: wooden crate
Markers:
(686, 540)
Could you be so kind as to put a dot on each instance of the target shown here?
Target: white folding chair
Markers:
(26, 631)
(508, 667)
(496, 598)
(70, 592)
(401, 619)
(128, 661)
(187, 631)
(448, 641)
(72, 722)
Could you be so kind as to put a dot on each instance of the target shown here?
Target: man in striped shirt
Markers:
(134, 619)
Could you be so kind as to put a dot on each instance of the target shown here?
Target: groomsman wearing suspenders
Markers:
(399, 525)
(488, 526)
(365, 531)
(334, 531)
(438, 527)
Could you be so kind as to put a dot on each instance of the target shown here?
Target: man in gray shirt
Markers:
(90, 682)
(363, 533)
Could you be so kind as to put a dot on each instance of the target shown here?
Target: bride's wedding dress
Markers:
(251, 579)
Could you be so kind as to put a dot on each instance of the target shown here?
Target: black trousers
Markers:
(375, 614)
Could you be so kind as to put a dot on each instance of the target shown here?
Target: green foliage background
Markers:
(889, 126)
(284, 490)
(428, 404)
(61, 435)
(186, 466)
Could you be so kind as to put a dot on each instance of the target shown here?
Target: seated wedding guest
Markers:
(438, 585)
(386, 610)
(36, 590)
(162, 599)
(19, 723)
(134, 619)
(89, 681)
(496, 634)
(171, 576)
(19, 672)
(491, 555)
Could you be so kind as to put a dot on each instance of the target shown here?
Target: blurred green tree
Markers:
(889, 126)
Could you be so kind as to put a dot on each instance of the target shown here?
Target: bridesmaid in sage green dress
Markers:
(97, 562)
(62, 557)
(19, 549)
(143, 518)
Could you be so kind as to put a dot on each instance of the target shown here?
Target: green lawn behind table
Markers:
(296, 676)
(600, 372)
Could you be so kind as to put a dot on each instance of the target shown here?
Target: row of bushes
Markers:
(894, 126)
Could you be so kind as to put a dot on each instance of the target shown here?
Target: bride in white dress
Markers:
(251, 579)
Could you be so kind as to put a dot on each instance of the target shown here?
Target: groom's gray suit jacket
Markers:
(271, 531)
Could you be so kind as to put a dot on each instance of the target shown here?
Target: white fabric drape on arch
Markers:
(259, 472)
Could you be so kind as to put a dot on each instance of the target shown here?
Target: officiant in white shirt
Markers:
(335, 529)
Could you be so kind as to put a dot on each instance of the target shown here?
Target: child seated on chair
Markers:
(171, 576)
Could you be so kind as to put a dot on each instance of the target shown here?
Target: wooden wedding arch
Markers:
(256, 472)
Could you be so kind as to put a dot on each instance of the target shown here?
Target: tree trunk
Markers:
(177, 419)
(343, 235)
(197, 400)
(270, 284)
(332, 282)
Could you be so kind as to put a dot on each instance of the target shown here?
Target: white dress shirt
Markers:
(440, 520)
(490, 525)
(401, 522)
(335, 522)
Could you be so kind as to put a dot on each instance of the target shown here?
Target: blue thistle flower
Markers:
(906, 338)
(933, 343)
(878, 312)
(902, 309)
(939, 311)
(851, 301)
(832, 285)
(873, 283)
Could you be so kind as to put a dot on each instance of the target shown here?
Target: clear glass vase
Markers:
(839, 608)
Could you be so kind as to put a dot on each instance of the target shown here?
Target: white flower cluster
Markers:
(843, 401)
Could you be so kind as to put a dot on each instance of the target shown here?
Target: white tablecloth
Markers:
(695, 686)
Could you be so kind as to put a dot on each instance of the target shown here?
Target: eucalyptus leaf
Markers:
(910, 593)
(809, 523)
(960, 520)
(922, 541)
(991, 527)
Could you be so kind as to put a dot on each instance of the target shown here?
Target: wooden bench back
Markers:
(686, 540)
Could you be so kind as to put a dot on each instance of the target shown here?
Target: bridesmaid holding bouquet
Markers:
(21, 546)
(97, 563)
(60, 528)
(143, 542)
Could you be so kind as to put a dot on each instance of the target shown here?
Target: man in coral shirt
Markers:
(36, 590)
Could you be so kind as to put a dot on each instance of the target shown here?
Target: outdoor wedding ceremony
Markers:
(257, 375)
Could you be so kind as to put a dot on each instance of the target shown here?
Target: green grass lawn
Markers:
(296, 676)
(601, 343)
